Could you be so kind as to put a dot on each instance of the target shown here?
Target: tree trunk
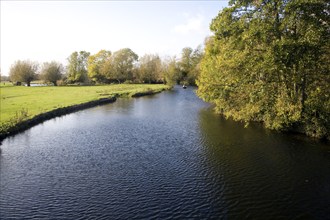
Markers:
(303, 92)
(277, 21)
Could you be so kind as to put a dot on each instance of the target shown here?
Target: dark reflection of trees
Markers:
(265, 173)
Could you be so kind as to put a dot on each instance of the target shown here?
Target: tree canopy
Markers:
(98, 66)
(150, 70)
(52, 72)
(23, 71)
(77, 67)
(188, 65)
(268, 61)
(122, 64)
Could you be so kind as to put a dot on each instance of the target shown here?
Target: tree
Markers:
(23, 71)
(52, 72)
(266, 62)
(186, 61)
(170, 69)
(194, 72)
(77, 67)
(189, 64)
(121, 65)
(150, 68)
(98, 66)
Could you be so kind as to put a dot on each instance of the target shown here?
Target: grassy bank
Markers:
(19, 103)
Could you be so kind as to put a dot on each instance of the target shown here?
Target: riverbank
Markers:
(24, 107)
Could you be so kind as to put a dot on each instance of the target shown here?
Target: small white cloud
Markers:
(194, 24)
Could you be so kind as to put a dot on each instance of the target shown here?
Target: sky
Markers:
(44, 31)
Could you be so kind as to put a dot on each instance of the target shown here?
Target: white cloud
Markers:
(191, 25)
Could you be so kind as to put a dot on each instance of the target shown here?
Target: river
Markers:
(166, 156)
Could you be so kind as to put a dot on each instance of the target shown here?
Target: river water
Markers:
(166, 156)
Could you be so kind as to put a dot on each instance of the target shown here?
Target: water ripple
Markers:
(161, 157)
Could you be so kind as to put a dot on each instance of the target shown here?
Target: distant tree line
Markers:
(105, 67)
(268, 61)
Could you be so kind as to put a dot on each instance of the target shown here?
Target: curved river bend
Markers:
(165, 156)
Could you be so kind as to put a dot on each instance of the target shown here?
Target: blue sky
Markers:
(51, 30)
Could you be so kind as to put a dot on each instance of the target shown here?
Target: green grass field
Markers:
(36, 100)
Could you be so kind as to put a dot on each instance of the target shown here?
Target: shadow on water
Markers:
(266, 174)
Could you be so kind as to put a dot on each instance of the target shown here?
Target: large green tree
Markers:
(194, 72)
(122, 65)
(185, 62)
(98, 66)
(77, 67)
(23, 71)
(269, 61)
(189, 65)
(52, 72)
(170, 70)
(150, 68)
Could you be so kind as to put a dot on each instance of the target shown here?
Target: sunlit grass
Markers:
(36, 100)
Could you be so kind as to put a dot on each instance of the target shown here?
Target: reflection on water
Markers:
(164, 156)
(266, 173)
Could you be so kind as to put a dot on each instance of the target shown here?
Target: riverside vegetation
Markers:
(268, 61)
(19, 103)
